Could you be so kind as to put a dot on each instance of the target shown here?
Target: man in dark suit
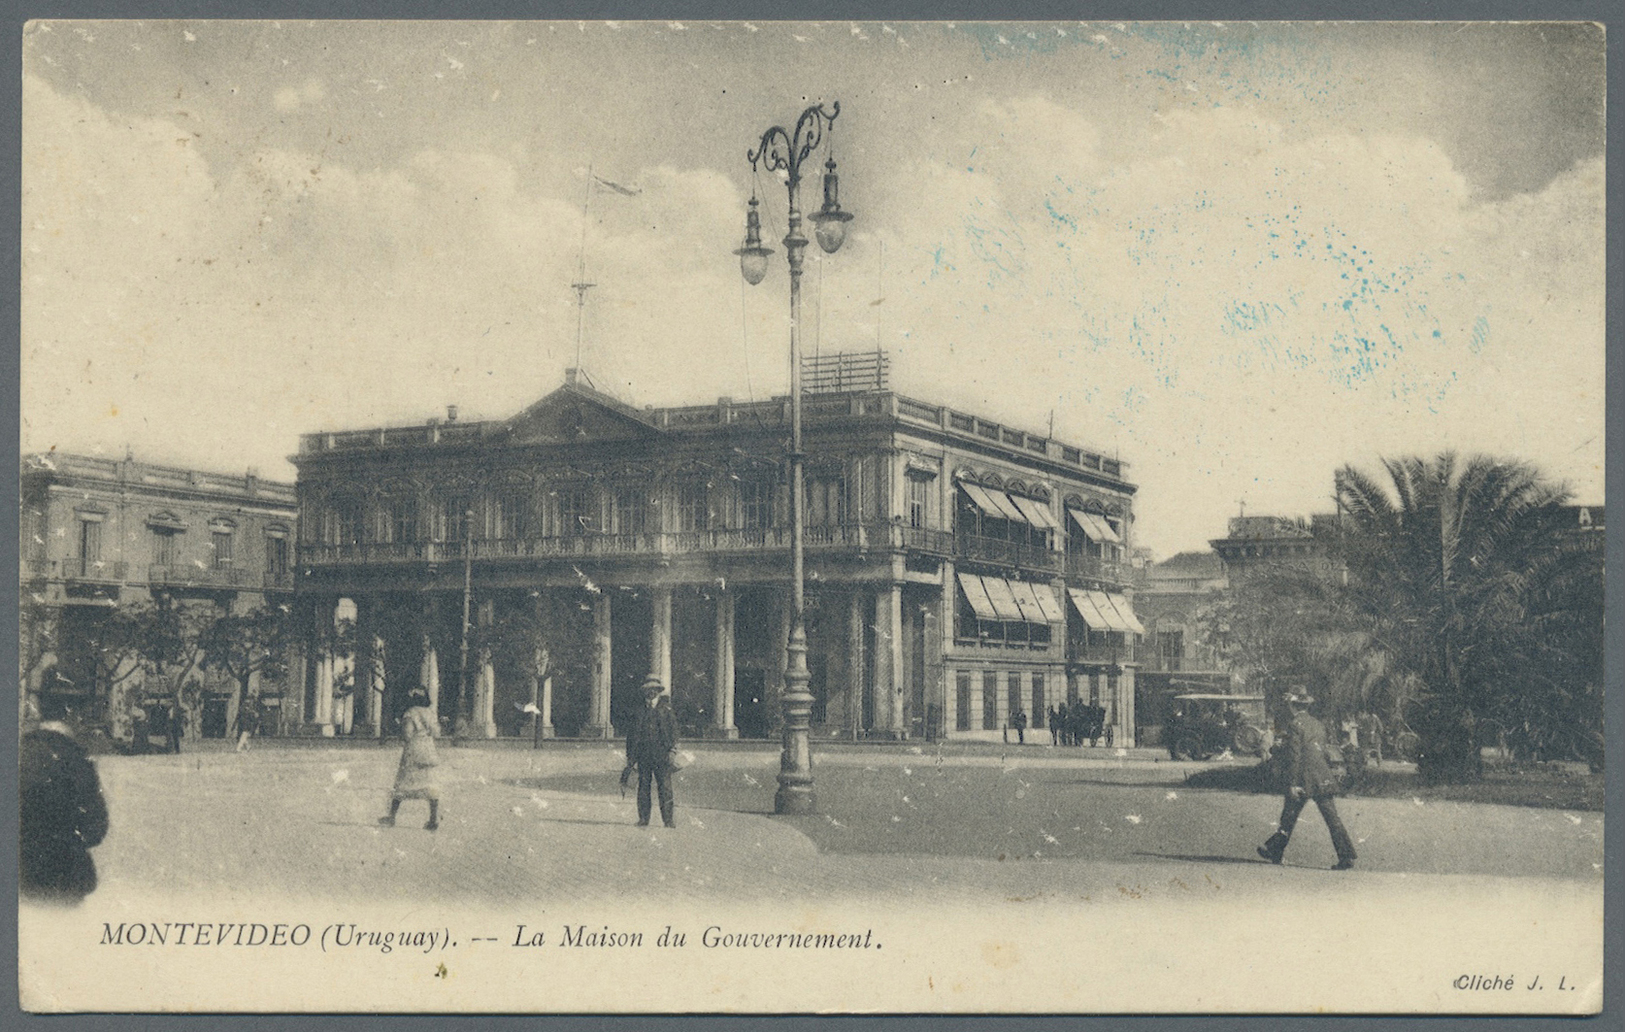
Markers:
(63, 814)
(1308, 776)
(649, 742)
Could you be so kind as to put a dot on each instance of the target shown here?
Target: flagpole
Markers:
(581, 285)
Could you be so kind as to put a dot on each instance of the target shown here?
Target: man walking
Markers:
(1308, 776)
(649, 743)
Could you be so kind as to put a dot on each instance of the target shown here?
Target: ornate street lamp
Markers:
(783, 151)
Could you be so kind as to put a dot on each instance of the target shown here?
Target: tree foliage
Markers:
(1451, 564)
(241, 645)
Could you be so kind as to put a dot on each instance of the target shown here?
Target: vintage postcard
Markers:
(780, 517)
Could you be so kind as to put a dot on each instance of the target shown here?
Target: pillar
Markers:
(856, 683)
(660, 637)
(324, 693)
(598, 722)
(723, 706)
(485, 694)
(541, 682)
(1125, 708)
(429, 675)
(888, 684)
(546, 706)
(377, 686)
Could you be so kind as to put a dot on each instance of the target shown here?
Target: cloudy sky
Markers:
(1237, 256)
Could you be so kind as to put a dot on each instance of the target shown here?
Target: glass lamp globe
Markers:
(830, 221)
(753, 256)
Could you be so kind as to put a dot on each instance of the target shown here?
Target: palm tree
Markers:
(1440, 563)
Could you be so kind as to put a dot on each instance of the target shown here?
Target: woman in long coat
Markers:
(415, 778)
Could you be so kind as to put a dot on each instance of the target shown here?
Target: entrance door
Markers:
(750, 703)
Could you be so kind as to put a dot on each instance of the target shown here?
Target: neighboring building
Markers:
(99, 532)
(1172, 599)
(956, 568)
(1258, 543)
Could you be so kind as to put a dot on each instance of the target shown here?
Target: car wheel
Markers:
(1189, 747)
(1248, 739)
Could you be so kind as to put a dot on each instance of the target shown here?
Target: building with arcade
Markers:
(530, 572)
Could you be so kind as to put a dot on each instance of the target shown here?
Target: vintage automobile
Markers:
(1205, 724)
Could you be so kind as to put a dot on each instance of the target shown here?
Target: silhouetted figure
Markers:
(63, 815)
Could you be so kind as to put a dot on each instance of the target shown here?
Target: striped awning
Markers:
(1011, 601)
(1094, 526)
(993, 502)
(1037, 513)
(1004, 599)
(1105, 611)
(976, 595)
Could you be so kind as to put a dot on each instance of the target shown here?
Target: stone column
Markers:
(856, 683)
(485, 694)
(377, 686)
(324, 693)
(429, 675)
(723, 705)
(660, 637)
(546, 707)
(1125, 708)
(598, 721)
(889, 660)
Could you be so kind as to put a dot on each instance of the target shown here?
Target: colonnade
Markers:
(881, 675)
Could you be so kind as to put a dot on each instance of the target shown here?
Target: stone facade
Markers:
(956, 568)
(97, 533)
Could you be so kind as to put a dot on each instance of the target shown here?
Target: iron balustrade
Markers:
(104, 570)
(189, 575)
(1011, 553)
(858, 536)
(1093, 567)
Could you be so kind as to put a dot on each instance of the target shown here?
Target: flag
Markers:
(624, 191)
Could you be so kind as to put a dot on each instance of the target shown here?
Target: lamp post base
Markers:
(795, 800)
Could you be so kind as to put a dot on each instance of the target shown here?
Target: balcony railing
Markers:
(98, 570)
(191, 575)
(1092, 567)
(1014, 553)
(737, 539)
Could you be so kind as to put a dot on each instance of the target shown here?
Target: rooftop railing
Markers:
(771, 412)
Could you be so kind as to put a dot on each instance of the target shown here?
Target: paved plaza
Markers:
(1020, 879)
(896, 821)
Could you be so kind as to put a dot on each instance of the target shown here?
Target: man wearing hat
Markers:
(649, 742)
(63, 814)
(1308, 776)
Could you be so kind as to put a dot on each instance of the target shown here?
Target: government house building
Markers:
(530, 572)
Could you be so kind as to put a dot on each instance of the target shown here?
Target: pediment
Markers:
(577, 415)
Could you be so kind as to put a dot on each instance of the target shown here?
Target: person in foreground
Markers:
(63, 815)
(1308, 776)
(415, 778)
(649, 744)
